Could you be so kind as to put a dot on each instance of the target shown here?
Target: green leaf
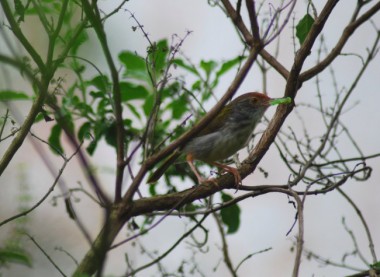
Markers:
(376, 265)
(134, 65)
(131, 91)
(84, 131)
(103, 107)
(78, 42)
(183, 65)
(208, 66)
(54, 139)
(303, 27)
(16, 256)
(148, 104)
(84, 108)
(134, 110)
(178, 106)
(92, 146)
(230, 215)
(197, 85)
(152, 189)
(9, 95)
(110, 134)
(226, 66)
(97, 94)
(100, 82)
(158, 56)
(98, 128)
(20, 10)
(66, 121)
(39, 118)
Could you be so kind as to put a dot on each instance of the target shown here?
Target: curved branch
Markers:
(347, 33)
(20, 36)
(96, 21)
(159, 258)
(249, 39)
(150, 162)
(226, 254)
(364, 223)
(253, 19)
(34, 110)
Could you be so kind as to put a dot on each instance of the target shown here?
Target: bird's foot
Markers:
(233, 171)
(238, 181)
(204, 181)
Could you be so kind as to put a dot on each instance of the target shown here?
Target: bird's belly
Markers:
(218, 146)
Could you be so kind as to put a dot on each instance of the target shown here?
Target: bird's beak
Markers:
(277, 101)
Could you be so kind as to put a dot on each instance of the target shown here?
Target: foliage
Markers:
(13, 249)
(303, 27)
(146, 105)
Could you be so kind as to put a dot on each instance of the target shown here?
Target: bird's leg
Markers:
(231, 170)
(201, 180)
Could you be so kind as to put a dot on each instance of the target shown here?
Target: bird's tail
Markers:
(156, 175)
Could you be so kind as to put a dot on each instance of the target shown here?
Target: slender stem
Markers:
(46, 254)
(150, 162)
(364, 222)
(19, 139)
(20, 36)
(167, 252)
(53, 36)
(238, 22)
(95, 19)
(253, 19)
(346, 34)
(226, 255)
(4, 123)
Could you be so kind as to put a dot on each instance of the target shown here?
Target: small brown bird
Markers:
(226, 134)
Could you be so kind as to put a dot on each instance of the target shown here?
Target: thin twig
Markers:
(226, 254)
(251, 255)
(167, 252)
(46, 254)
(180, 203)
(364, 223)
(150, 162)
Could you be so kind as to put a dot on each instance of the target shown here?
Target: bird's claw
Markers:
(204, 181)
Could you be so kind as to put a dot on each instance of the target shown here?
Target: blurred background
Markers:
(265, 220)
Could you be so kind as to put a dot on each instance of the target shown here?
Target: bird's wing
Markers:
(163, 167)
(217, 122)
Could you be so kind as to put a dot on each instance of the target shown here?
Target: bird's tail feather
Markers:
(156, 175)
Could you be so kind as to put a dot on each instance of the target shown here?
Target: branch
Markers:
(300, 215)
(238, 22)
(150, 162)
(155, 261)
(34, 110)
(325, 261)
(292, 85)
(46, 254)
(367, 273)
(253, 19)
(347, 33)
(226, 255)
(87, 168)
(364, 223)
(96, 21)
(54, 35)
(20, 36)
(24, 213)
(168, 201)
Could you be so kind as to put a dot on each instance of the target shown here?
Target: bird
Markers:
(226, 134)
